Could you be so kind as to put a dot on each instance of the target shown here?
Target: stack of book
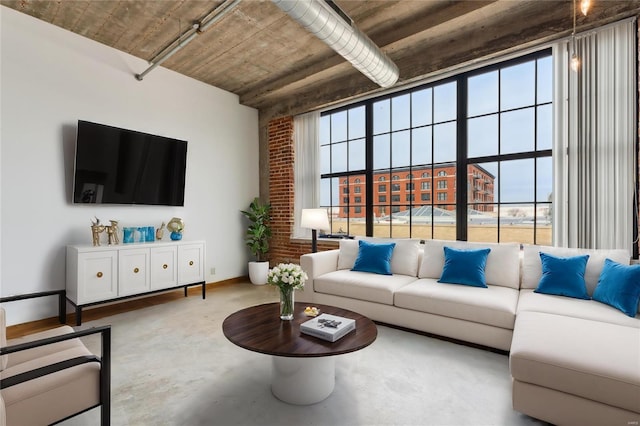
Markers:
(328, 327)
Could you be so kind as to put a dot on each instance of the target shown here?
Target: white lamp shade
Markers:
(315, 219)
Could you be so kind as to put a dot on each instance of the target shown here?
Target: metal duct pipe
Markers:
(196, 29)
(317, 17)
(169, 54)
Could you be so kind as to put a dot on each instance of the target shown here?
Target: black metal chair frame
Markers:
(104, 360)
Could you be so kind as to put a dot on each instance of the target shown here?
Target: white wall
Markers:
(49, 79)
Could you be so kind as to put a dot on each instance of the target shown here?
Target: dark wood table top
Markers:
(260, 329)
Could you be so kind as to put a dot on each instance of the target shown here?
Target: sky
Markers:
(419, 128)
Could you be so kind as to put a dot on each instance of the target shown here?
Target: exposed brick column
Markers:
(281, 194)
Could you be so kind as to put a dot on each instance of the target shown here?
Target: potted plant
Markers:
(257, 239)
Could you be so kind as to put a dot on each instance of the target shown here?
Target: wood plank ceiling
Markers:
(272, 63)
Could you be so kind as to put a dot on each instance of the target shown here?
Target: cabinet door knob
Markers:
(136, 270)
(191, 263)
(165, 266)
(99, 275)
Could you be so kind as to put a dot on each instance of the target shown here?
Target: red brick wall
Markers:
(281, 193)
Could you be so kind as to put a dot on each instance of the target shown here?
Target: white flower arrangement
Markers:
(287, 276)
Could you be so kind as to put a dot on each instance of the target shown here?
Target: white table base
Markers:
(303, 381)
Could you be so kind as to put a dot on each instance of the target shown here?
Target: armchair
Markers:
(50, 376)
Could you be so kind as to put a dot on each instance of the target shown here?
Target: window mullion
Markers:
(461, 160)
(369, 168)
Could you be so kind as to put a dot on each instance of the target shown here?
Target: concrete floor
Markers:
(171, 365)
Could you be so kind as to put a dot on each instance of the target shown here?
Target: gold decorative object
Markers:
(96, 229)
(112, 232)
(160, 232)
(176, 226)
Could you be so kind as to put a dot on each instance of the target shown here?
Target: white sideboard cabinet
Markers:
(106, 273)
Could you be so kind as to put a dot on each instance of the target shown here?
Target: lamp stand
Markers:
(314, 241)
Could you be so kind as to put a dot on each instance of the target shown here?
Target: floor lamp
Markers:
(314, 219)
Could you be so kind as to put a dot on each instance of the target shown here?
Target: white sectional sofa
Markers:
(573, 361)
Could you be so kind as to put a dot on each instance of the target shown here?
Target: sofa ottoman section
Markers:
(591, 360)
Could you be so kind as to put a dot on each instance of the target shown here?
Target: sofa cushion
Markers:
(591, 359)
(464, 266)
(578, 308)
(405, 259)
(502, 268)
(361, 285)
(563, 276)
(532, 267)
(374, 258)
(494, 305)
(619, 286)
(348, 254)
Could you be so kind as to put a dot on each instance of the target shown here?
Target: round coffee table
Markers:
(303, 365)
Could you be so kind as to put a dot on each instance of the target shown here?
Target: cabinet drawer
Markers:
(190, 263)
(98, 274)
(133, 271)
(164, 273)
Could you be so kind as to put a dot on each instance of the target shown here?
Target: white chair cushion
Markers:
(532, 266)
(503, 263)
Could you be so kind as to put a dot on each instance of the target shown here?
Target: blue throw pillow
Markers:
(464, 267)
(563, 276)
(619, 286)
(375, 258)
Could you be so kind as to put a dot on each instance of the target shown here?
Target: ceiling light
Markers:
(584, 6)
(332, 26)
(575, 61)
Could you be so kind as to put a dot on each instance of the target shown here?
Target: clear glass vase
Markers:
(286, 304)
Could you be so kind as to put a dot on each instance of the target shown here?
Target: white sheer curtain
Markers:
(306, 137)
(594, 139)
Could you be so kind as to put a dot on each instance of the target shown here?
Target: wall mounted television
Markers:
(120, 166)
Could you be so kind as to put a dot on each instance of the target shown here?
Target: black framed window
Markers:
(484, 136)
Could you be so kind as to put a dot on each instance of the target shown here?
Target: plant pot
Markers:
(258, 272)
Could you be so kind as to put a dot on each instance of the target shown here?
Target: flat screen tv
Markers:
(119, 166)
